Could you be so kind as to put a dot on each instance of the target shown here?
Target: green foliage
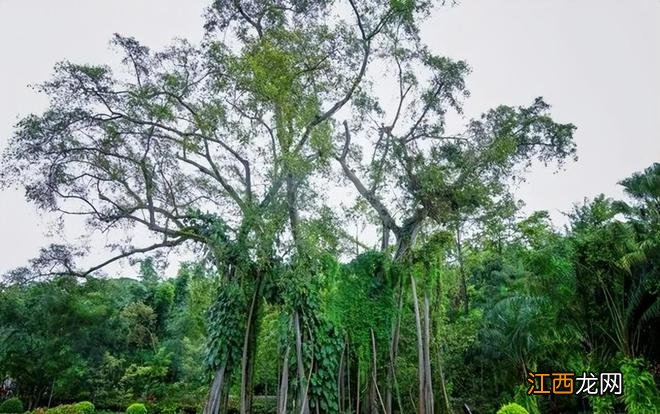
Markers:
(327, 348)
(12, 405)
(103, 338)
(148, 274)
(226, 321)
(512, 408)
(140, 320)
(603, 404)
(62, 409)
(528, 402)
(148, 377)
(640, 390)
(85, 407)
(361, 300)
(136, 408)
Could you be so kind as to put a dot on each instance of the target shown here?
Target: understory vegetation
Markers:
(258, 152)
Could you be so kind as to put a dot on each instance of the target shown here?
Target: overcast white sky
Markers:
(596, 61)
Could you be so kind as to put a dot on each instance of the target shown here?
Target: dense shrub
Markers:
(12, 405)
(136, 408)
(62, 409)
(512, 408)
(84, 407)
(641, 394)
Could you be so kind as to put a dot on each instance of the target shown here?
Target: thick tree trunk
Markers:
(283, 393)
(385, 240)
(302, 405)
(422, 322)
(212, 405)
(249, 351)
(420, 350)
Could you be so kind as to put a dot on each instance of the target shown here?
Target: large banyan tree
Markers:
(225, 148)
